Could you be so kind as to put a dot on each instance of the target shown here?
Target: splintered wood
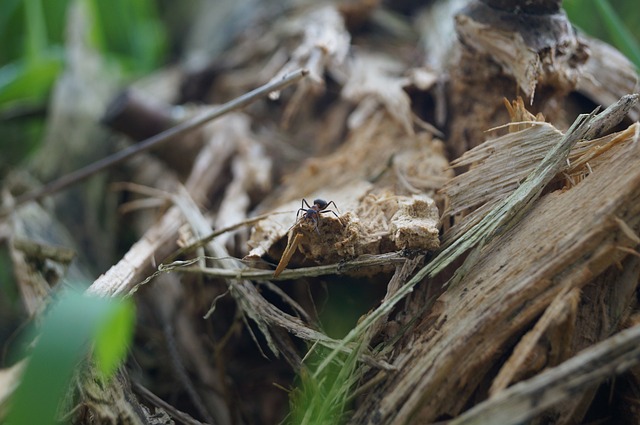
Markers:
(530, 275)
(378, 226)
(506, 239)
(371, 179)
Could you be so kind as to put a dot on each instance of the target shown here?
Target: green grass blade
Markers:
(36, 26)
(619, 33)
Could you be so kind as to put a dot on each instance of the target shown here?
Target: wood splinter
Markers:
(292, 245)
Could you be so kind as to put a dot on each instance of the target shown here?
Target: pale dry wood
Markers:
(375, 80)
(605, 305)
(607, 75)
(508, 211)
(500, 165)
(159, 240)
(265, 315)
(565, 239)
(539, 50)
(526, 399)
(251, 170)
(324, 48)
(9, 381)
(503, 52)
(561, 309)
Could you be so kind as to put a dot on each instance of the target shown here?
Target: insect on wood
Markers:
(306, 213)
(312, 212)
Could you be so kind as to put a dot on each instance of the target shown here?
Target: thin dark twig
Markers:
(180, 129)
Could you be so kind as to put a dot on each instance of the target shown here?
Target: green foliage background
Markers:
(129, 35)
(132, 37)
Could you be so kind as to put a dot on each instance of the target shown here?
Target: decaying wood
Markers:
(324, 46)
(560, 315)
(515, 280)
(537, 53)
(606, 304)
(371, 178)
(526, 399)
(541, 229)
(534, 49)
(501, 165)
(607, 75)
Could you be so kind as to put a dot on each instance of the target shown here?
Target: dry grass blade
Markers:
(511, 208)
(499, 167)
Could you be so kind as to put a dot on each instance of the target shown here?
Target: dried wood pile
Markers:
(493, 241)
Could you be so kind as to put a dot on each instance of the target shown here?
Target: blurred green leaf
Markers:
(131, 33)
(72, 323)
(128, 34)
(36, 30)
(113, 337)
(29, 80)
(621, 36)
(8, 12)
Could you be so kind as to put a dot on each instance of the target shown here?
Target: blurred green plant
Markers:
(322, 397)
(615, 21)
(128, 34)
(74, 324)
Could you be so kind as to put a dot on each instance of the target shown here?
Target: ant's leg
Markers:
(334, 204)
(302, 207)
(316, 222)
(331, 211)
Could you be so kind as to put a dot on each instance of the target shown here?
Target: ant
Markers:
(312, 212)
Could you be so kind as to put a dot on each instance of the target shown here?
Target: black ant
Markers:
(312, 212)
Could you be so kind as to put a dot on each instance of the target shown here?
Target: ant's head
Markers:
(321, 203)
